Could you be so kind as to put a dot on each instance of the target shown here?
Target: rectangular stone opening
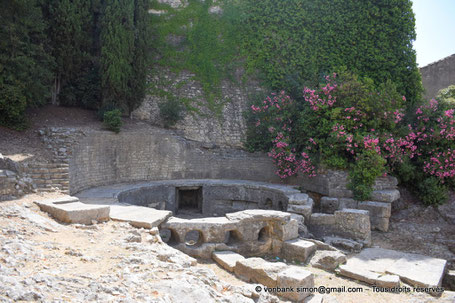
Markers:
(189, 198)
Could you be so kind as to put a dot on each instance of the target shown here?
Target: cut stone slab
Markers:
(329, 204)
(327, 260)
(258, 270)
(385, 195)
(227, 259)
(139, 216)
(295, 277)
(258, 214)
(417, 270)
(376, 209)
(370, 277)
(304, 210)
(344, 244)
(75, 212)
(322, 219)
(299, 199)
(298, 249)
(61, 200)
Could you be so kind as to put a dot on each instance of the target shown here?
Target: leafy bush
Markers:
(351, 123)
(368, 166)
(171, 111)
(113, 120)
(432, 192)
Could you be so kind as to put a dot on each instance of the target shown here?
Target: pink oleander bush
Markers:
(349, 123)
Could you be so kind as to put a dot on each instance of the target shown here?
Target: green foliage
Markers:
(195, 40)
(171, 111)
(432, 192)
(293, 44)
(368, 166)
(113, 120)
(25, 76)
(447, 96)
(70, 34)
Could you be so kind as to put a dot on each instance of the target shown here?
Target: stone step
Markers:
(227, 259)
(298, 249)
(369, 277)
(385, 195)
(139, 216)
(276, 274)
(65, 210)
(414, 269)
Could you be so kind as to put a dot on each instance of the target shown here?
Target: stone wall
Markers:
(438, 75)
(103, 157)
(202, 125)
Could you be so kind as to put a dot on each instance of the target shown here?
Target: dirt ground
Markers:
(78, 251)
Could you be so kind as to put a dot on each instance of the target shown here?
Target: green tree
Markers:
(293, 44)
(25, 76)
(124, 53)
(70, 33)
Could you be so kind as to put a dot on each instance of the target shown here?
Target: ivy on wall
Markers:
(194, 39)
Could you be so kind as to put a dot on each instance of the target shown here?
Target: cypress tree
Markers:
(25, 76)
(117, 51)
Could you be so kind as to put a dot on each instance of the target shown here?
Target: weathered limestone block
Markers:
(203, 250)
(139, 216)
(378, 223)
(258, 270)
(299, 199)
(213, 229)
(376, 209)
(329, 205)
(414, 269)
(385, 195)
(295, 277)
(259, 214)
(227, 259)
(288, 230)
(304, 210)
(344, 244)
(298, 249)
(370, 277)
(302, 229)
(322, 219)
(75, 212)
(355, 224)
(328, 260)
(348, 203)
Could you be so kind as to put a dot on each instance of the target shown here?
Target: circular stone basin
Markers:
(206, 197)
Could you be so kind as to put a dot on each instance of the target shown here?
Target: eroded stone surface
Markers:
(260, 271)
(370, 277)
(328, 260)
(295, 277)
(74, 212)
(138, 216)
(298, 249)
(227, 259)
(417, 270)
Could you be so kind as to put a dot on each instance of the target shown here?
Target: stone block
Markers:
(347, 203)
(369, 277)
(138, 216)
(76, 212)
(299, 199)
(329, 205)
(322, 219)
(354, 223)
(378, 223)
(344, 244)
(449, 280)
(258, 270)
(298, 249)
(289, 230)
(327, 260)
(295, 277)
(376, 209)
(304, 210)
(385, 195)
(227, 259)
